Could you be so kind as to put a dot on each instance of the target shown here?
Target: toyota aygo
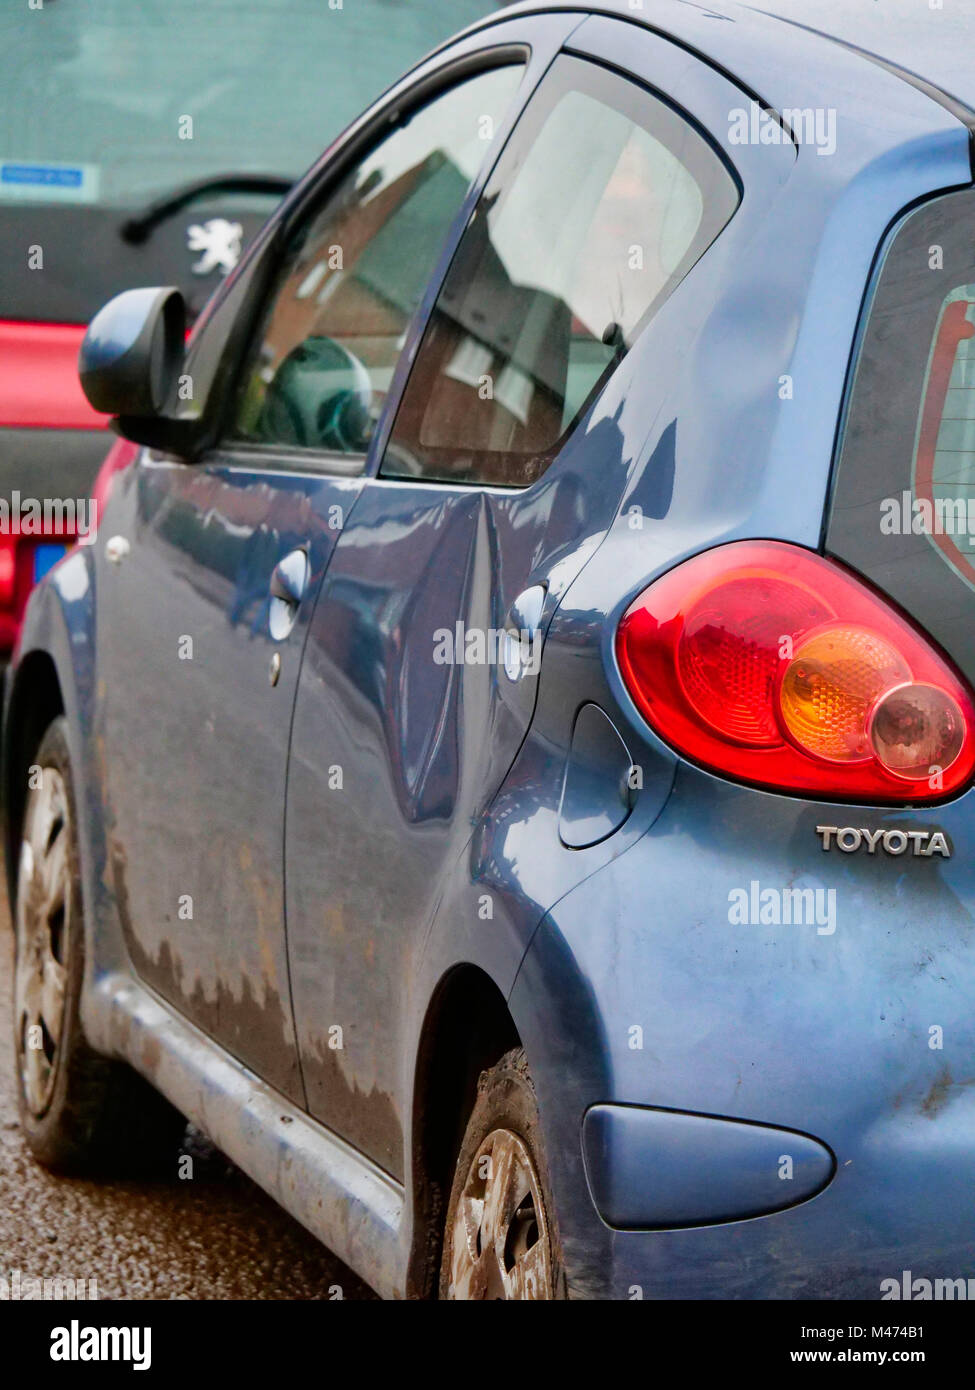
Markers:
(503, 767)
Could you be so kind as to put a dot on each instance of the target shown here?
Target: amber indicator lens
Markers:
(829, 687)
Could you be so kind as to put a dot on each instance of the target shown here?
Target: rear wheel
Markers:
(79, 1111)
(500, 1237)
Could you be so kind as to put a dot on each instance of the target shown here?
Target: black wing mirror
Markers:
(131, 357)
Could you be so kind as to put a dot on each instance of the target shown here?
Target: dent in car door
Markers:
(503, 471)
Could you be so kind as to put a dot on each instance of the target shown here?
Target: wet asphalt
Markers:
(213, 1236)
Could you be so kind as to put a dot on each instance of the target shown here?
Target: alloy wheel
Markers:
(500, 1238)
(43, 933)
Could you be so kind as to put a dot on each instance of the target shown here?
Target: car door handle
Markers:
(289, 578)
(116, 549)
(522, 633)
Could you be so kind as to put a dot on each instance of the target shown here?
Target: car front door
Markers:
(498, 479)
(210, 569)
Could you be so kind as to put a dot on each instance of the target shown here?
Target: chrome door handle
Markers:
(116, 549)
(289, 580)
(522, 633)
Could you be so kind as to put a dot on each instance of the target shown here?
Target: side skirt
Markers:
(343, 1198)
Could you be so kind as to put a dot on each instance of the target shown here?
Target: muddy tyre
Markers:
(500, 1235)
(80, 1112)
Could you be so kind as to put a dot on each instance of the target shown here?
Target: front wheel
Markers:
(500, 1237)
(80, 1112)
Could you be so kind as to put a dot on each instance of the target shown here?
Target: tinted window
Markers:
(904, 499)
(600, 205)
(354, 275)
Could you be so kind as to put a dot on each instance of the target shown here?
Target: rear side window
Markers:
(903, 509)
(601, 203)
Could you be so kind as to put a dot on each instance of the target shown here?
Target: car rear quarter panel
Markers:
(861, 1035)
(741, 379)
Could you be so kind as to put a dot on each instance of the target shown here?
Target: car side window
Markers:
(355, 272)
(601, 203)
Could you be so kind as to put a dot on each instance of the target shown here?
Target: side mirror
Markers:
(131, 355)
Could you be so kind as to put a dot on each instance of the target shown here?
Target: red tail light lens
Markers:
(8, 570)
(767, 663)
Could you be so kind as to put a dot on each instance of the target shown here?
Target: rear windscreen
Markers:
(903, 510)
(116, 101)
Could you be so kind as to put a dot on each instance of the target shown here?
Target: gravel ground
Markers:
(216, 1235)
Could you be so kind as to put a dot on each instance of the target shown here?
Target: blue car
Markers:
(503, 765)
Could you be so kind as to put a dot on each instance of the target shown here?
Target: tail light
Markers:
(8, 570)
(769, 664)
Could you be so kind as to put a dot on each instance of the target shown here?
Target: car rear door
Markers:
(498, 479)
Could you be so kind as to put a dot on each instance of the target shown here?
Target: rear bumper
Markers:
(642, 989)
(897, 1210)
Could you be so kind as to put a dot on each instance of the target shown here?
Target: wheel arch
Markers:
(467, 1028)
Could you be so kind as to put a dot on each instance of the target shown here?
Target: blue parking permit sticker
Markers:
(43, 182)
(45, 558)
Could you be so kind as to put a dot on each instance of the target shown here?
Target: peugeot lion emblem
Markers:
(219, 242)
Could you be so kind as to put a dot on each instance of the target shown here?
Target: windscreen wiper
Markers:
(139, 228)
